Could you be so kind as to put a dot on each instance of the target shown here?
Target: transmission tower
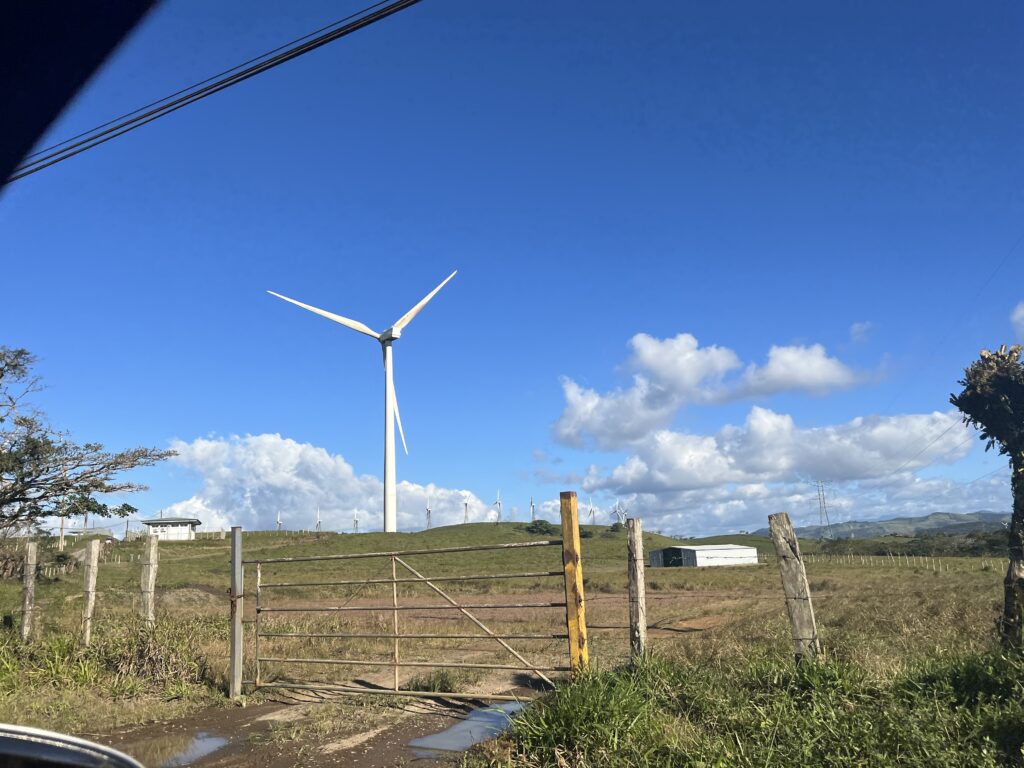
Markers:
(823, 520)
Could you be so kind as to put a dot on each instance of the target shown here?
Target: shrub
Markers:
(542, 528)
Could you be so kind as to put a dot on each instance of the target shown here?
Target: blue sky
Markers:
(753, 177)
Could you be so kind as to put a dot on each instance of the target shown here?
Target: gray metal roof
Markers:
(171, 521)
(706, 547)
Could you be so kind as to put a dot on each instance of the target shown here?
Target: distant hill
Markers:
(937, 522)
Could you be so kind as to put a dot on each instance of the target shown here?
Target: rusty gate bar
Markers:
(389, 692)
(408, 552)
(394, 597)
(359, 582)
(431, 664)
(259, 578)
(435, 607)
(417, 636)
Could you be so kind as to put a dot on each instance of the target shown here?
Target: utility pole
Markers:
(823, 520)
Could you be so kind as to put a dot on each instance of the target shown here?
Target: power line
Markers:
(157, 109)
(203, 82)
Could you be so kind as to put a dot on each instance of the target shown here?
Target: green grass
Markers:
(954, 711)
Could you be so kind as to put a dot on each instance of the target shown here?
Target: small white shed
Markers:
(703, 555)
(173, 528)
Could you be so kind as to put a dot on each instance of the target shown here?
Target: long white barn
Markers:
(703, 555)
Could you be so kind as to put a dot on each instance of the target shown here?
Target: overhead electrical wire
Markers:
(119, 126)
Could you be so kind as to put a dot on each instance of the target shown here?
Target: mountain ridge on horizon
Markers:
(936, 522)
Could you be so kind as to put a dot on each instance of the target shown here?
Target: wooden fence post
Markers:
(575, 614)
(794, 585)
(150, 562)
(237, 596)
(28, 592)
(637, 592)
(92, 565)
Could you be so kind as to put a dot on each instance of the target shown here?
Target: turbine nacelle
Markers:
(390, 335)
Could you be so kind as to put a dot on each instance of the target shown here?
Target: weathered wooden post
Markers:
(28, 592)
(575, 614)
(237, 596)
(92, 565)
(637, 592)
(794, 585)
(150, 558)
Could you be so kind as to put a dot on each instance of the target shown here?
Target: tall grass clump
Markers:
(954, 711)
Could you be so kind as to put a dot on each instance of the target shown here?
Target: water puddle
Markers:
(175, 750)
(480, 725)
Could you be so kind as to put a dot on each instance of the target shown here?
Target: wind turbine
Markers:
(497, 503)
(465, 512)
(428, 513)
(590, 501)
(355, 521)
(391, 415)
(318, 518)
(533, 511)
(279, 519)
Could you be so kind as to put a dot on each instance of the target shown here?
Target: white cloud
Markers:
(771, 448)
(859, 331)
(1017, 318)
(690, 372)
(808, 369)
(247, 480)
(673, 372)
(718, 509)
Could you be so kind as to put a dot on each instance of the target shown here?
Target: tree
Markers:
(42, 470)
(993, 401)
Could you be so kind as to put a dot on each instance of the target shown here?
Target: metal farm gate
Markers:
(271, 626)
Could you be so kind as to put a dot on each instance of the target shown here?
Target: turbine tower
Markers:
(533, 511)
(428, 513)
(391, 415)
(279, 519)
(497, 503)
(318, 518)
(465, 512)
(355, 521)
(590, 501)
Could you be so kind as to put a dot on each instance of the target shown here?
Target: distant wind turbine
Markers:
(590, 501)
(497, 503)
(391, 415)
(318, 518)
(279, 519)
(428, 513)
(465, 512)
(533, 511)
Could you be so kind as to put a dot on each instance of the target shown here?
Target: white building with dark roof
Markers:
(173, 528)
(703, 556)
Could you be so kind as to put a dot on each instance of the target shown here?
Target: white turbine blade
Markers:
(404, 321)
(355, 325)
(398, 418)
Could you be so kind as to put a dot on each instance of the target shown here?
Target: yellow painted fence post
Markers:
(575, 614)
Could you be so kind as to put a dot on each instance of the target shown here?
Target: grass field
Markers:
(909, 673)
